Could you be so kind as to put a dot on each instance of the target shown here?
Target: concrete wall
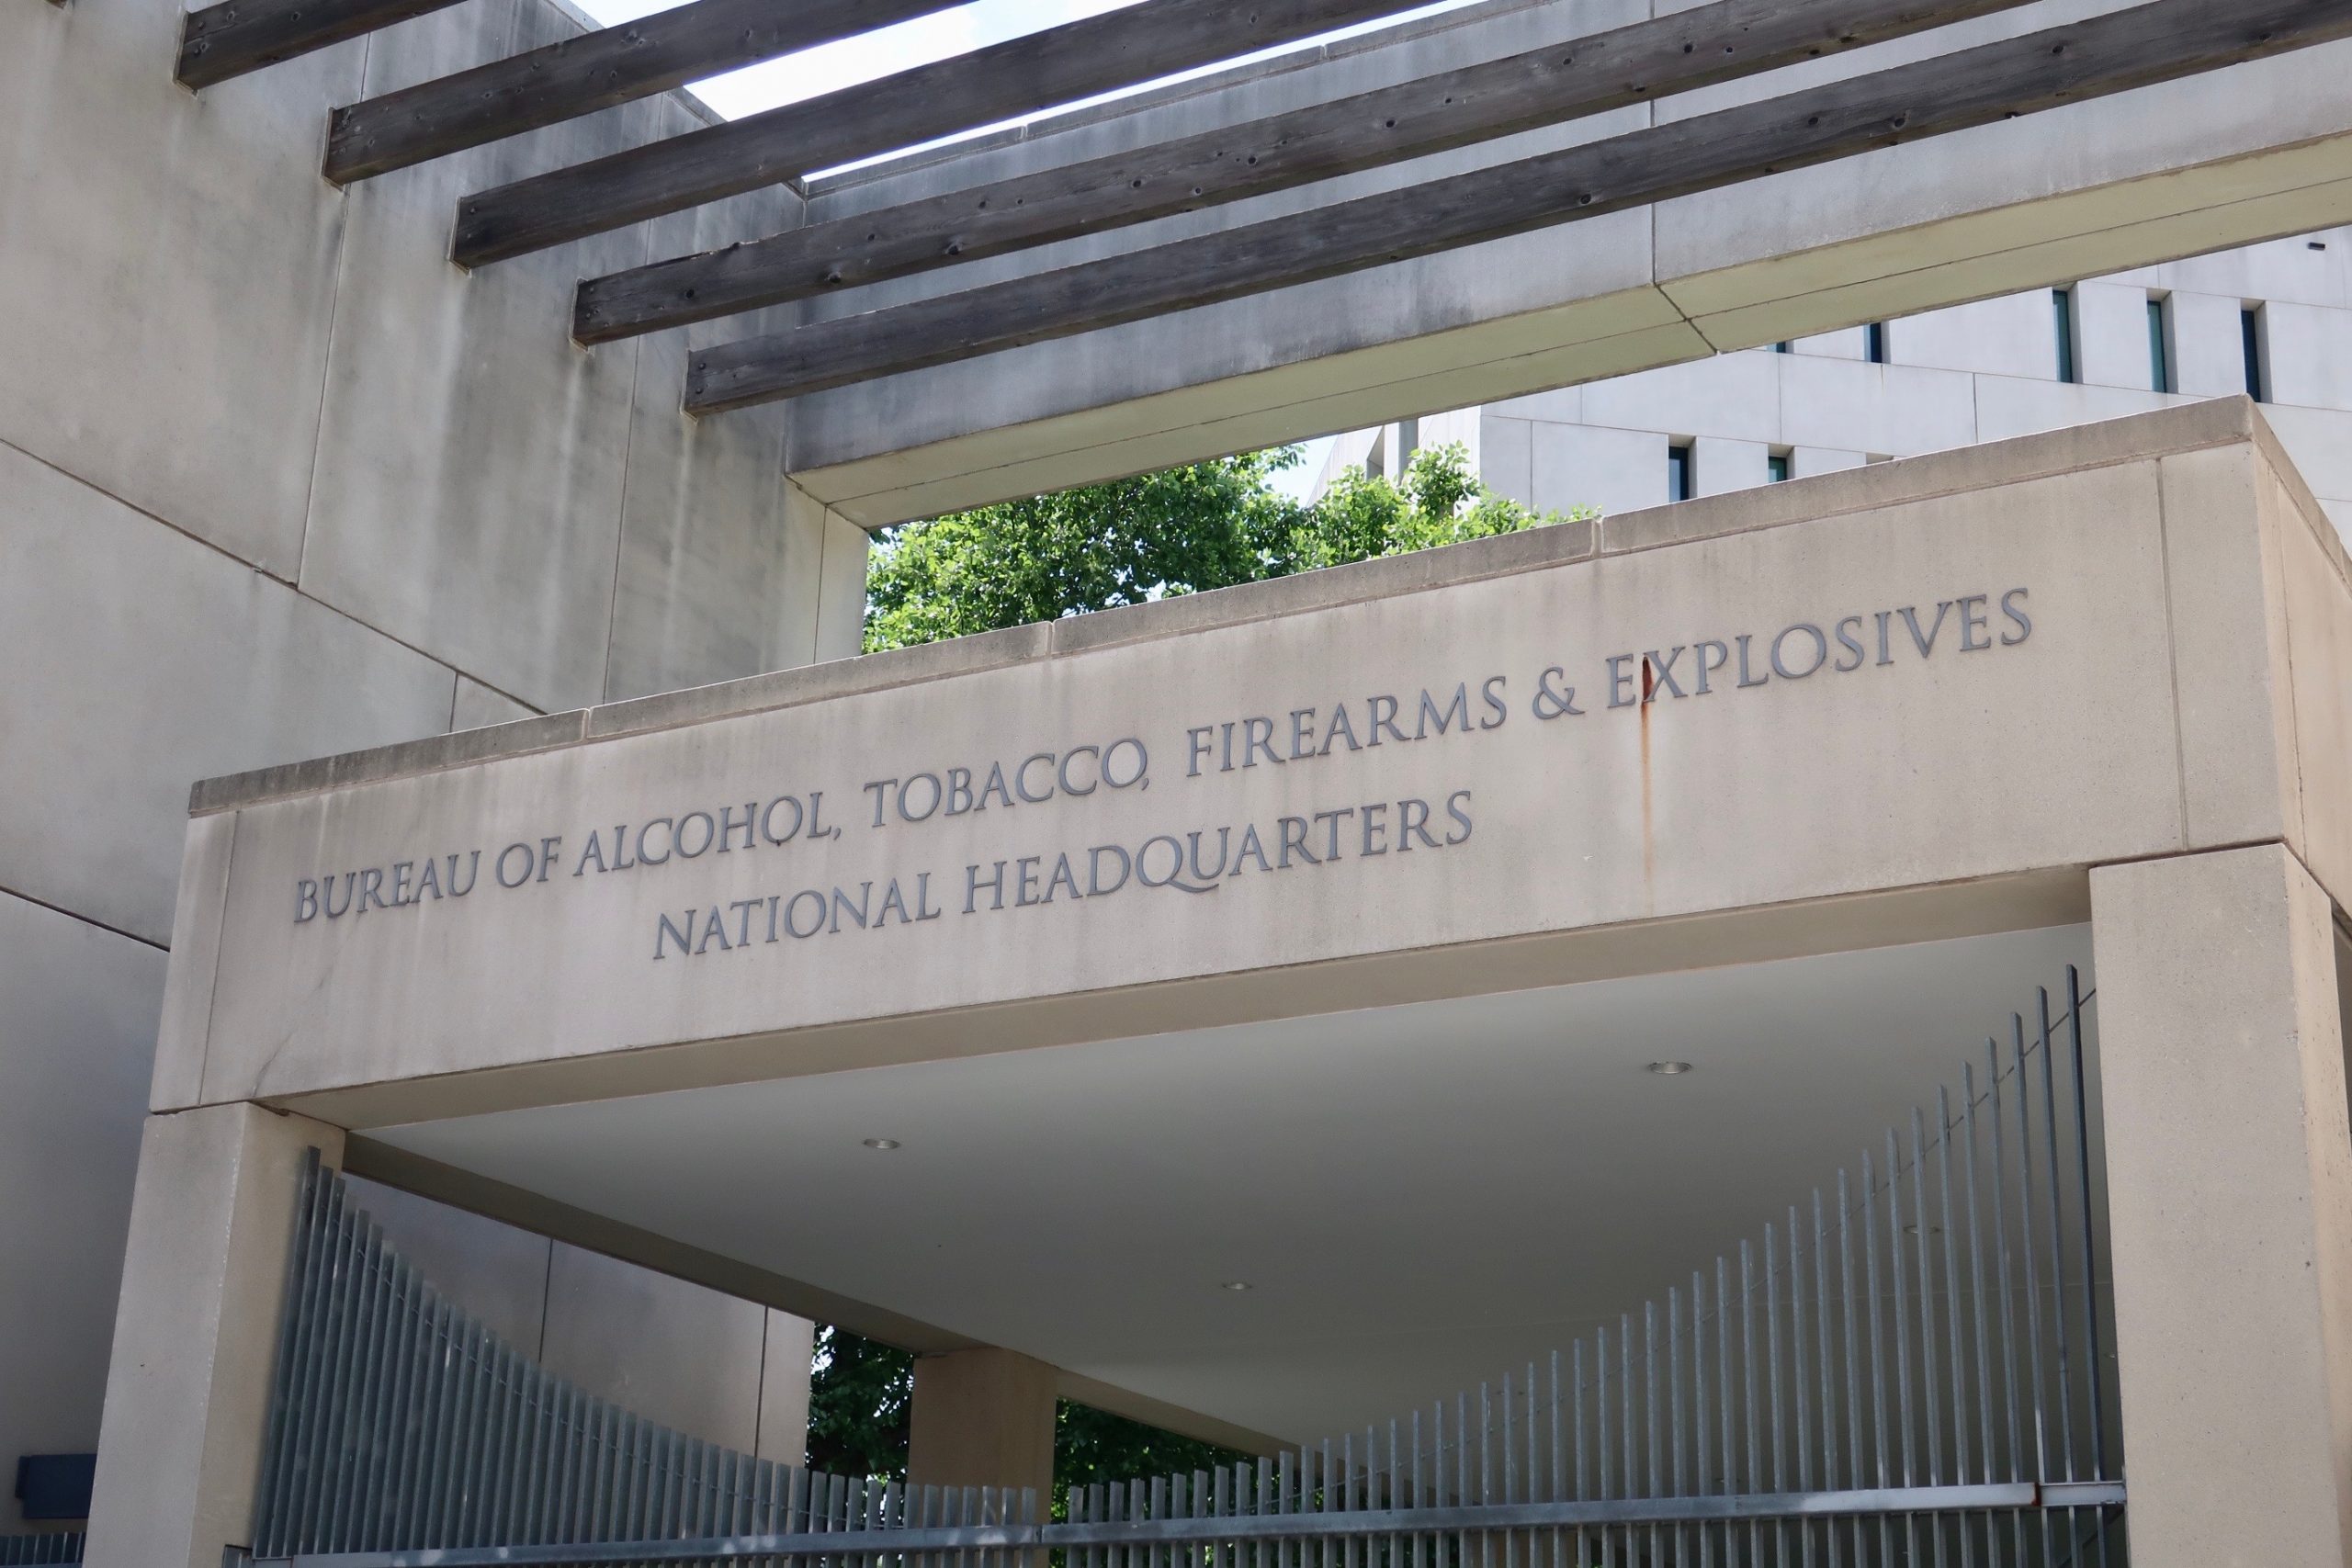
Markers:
(275, 480)
(1969, 373)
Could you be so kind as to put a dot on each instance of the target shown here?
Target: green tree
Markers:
(1182, 531)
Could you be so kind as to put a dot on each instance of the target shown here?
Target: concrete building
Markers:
(279, 481)
(276, 480)
(1066, 1085)
(2272, 321)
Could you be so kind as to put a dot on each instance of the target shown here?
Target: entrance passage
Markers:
(1906, 1365)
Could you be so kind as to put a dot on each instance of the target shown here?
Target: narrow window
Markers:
(2160, 343)
(1677, 473)
(1875, 343)
(2250, 334)
(2062, 322)
(1776, 468)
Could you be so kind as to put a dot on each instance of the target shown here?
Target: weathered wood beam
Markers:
(2149, 43)
(1018, 77)
(595, 71)
(237, 36)
(1569, 80)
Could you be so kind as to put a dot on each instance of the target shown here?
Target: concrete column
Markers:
(982, 1417)
(2228, 1156)
(196, 1334)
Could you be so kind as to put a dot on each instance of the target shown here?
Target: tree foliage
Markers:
(1181, 531)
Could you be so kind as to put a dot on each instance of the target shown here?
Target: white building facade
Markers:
(2273, 321)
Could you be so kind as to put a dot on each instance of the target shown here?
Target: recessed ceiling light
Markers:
(1234, 1285)
(1670, 1069)
(881, 1143)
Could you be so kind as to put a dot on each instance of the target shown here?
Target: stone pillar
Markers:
(195, 1334)
(2229, 1154)
(982, 1417)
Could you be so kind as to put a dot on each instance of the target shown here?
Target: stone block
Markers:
(677, 1354)
(2209, 345)
(140, 660)
(479, 707)
(173, 257)
(2007, 407)
(1891, 410)
(1582, 464)
(468, 492)
(77, 1026)
(1734, 396)
(495, 1273)
(1507, 455)
(785, 1372)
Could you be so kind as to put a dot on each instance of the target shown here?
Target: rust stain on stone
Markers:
(1649, 856)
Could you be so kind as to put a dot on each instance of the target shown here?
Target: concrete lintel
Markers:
(2188, 428)
(2024, 902)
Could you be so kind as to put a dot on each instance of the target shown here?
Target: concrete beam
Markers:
(2247, 153)
(1994, 83)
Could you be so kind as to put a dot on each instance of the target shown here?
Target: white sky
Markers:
(972, 25)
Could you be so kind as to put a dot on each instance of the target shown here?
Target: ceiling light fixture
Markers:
(884, 1143)
(1670, 1069)
(1234, 1285)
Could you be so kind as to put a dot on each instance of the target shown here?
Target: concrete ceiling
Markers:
(1418, 1197)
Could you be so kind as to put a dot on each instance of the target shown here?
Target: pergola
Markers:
(1712, 44)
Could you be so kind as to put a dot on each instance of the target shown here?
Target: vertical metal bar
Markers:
(1601, 1404)
(2057, 1247)
(1854, 1472)
(1752, 1451)
(2074, 1000)
(1998, 1117)
(1576, 1378)
(1649, 1413)
(1774, 1403)
(1976, 1279)
(1698, 1419)
(1902, 1315)
(1828, 1380)
(1920, 1230)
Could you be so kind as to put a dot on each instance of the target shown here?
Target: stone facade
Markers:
(275, 480)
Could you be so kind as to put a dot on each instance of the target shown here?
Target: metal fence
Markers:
(399, 1425)
(1907, 1366)
(22, 1551)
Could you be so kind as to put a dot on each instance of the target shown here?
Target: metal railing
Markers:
(1906, 1368)
(25, 1550)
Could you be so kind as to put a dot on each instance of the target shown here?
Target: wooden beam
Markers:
(1018, 77)
(2149, 43)
(1633, 65)
(237, 36)
(595, 71)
